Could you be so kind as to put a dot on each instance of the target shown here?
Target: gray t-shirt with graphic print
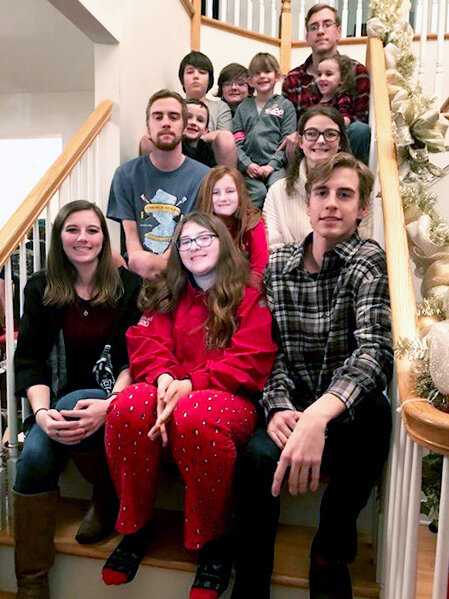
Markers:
(153, 198)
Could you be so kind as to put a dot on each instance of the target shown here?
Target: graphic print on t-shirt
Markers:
(158, 220)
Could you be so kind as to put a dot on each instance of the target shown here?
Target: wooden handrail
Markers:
(23, 218)
(425, 424)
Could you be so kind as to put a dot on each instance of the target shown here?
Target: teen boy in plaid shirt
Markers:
(323, 32)
(324, 401)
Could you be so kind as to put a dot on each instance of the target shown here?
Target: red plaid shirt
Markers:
(300, 88)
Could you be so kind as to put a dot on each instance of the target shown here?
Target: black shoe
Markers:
(329, 580)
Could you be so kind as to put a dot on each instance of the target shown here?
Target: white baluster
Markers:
(394, 564)
(358, 21)
(434, 17)
(423, 42)
(97, 199)
(36, 247)
(447, 16)
(332, 3)
(274, 30)
(418, 16)
(13, 446)
(209, 8)
(261, 16)
(442, 553)
(440, 51)
(249, 18)
(224, 10)
(22, 272)
(89, 166)
(410, 542)
(237, 13)
(302, 20)
(48, 221)
(344, 19)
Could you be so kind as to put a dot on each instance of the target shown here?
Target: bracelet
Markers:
(38, 410)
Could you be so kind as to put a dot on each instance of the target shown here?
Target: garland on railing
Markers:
(419, 129)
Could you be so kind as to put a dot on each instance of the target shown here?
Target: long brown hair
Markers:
(332, 113)
(245, 218)
(62, 274)
(223, 298)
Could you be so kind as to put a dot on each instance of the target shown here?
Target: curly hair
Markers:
(245, 218)
(62, 274)
(223, 298)
(334, 115)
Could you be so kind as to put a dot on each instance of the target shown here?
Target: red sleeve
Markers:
(256, 243)
(362, 90)
(345, 105)
(246, 364)
(150, 348)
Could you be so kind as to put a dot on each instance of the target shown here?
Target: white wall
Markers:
(41, 114)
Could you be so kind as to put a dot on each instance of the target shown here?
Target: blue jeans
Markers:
(42, 459)
(359, 135)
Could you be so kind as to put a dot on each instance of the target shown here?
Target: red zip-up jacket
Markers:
(176, 343)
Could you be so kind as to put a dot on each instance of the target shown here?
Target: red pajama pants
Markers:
(205, 430)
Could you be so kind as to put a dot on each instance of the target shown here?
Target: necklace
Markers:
(84, 305)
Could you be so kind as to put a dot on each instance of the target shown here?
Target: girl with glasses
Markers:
(321, 133)
(224, 194)
(200, 354)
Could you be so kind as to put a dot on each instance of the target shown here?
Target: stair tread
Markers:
(167, 550)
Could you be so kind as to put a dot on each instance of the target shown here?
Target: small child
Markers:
(336, 81)
(233, 85)
(224, 194)
(196, 75)
(260, 126)
(197, 122)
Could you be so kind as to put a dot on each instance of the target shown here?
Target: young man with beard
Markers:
(324, 402)
(323, 32)
(149, 194)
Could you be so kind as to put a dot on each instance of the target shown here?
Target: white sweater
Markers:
(285, 216)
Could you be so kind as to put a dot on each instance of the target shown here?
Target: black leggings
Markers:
(355, 451)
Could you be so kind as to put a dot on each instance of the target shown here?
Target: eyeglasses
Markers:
(237, 82)
(202, 241)
(328, 134)
(316, 26)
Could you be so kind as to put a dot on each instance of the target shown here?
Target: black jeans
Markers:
(354, 454)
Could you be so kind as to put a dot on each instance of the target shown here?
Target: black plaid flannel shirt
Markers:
(333, 329)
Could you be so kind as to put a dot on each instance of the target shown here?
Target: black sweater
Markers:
(39, 357)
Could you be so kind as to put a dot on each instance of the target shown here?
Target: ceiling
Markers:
(41, 51)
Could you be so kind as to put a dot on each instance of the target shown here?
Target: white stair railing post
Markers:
(236, 13)
(434, 17)
(442, 552)
(418, 16)
(274, 32)
(209, 8)
(423, 42)
(412, 530)
(13, 444)
(359, 16)
(344, 19)
(302, 20)
(261, 16)
(440, 51)
(224, 11)
(249, 17)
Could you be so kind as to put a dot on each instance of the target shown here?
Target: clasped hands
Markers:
(72, 426)
(169, 392)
